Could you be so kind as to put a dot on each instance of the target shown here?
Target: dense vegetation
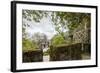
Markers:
(64, 23)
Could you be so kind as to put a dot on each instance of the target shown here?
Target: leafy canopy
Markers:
(57, 40)
(29, 45)
(63, 21)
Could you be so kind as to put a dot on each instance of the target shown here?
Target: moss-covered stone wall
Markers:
(33, 56)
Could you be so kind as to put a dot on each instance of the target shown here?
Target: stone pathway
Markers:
(46, 58)
(85, 57)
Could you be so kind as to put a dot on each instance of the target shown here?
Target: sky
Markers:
(44, 26)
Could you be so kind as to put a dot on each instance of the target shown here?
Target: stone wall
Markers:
(33, 56)
(66, 52)
(69, 52)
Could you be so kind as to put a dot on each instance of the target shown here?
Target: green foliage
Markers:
(70, 19)
(46, 52)
(63, 21)
(35, 15)
(57, 40)
(27, 45)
